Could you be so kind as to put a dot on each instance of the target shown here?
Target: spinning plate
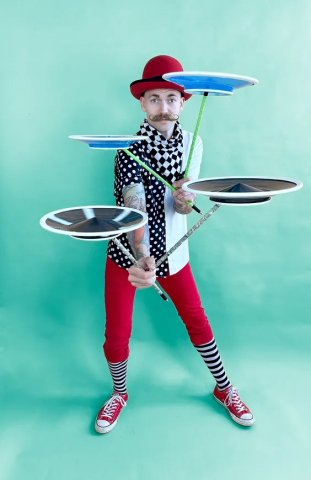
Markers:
(94, 222)
(242, 191)
(108, 142)
(212, 82)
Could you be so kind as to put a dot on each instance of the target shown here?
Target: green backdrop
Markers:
(66, 69)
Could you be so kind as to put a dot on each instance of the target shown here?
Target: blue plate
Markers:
(108, 142)
(211, 82)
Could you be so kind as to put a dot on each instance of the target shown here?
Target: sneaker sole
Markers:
(240, 421)
(105, 429)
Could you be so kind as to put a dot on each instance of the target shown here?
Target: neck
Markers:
(168, 133)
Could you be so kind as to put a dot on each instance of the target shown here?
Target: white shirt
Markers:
(176, 223)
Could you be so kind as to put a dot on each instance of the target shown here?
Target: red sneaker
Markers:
(238, 411)
(107, 417)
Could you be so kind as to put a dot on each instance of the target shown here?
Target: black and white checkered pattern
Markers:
(167, 153)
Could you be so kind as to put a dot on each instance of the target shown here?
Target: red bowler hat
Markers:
(152, 76)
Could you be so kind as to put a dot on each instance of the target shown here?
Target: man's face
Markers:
(162, 107)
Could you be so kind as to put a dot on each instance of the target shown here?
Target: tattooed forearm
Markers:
(139, 241)
(134, 197)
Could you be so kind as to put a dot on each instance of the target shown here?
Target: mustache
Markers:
(164, 116)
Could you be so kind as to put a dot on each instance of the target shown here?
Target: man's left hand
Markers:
(181, 197)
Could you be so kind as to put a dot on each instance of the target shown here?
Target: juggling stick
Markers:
(195, 133)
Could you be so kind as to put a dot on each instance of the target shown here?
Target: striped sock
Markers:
(209, 353)
(118, 373)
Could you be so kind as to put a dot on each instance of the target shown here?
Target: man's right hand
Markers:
(145, 277)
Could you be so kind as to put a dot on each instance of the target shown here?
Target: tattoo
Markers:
(132, 201)
(142, 204)
(139, 241)
(137, 188)
(134, 197)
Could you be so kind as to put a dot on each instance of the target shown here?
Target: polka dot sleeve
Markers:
(127, 171)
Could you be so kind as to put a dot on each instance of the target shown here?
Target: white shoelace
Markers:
(111, 406)
(233, 398)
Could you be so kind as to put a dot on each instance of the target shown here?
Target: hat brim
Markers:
(140, 86)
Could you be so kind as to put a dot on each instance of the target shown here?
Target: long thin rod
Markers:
(134, 261)
(159, 177)
(187, 235)
(196, 133)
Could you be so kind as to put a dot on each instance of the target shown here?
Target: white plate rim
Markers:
(194, 90)
(233, 76)
(99, 140)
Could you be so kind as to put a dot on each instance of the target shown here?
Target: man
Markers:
(166, 151)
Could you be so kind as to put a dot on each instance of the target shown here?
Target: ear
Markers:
(182, 102)
(142, 104)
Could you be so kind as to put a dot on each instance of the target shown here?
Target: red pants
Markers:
(119, 300)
